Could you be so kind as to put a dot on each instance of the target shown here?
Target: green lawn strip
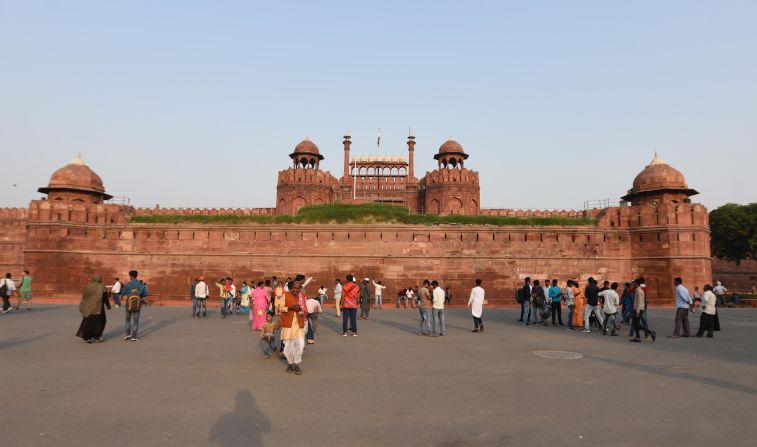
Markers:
(367, 213)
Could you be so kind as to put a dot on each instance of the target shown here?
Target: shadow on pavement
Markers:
(245, 424)
(678, 375)
(20, 341)
(150, 328)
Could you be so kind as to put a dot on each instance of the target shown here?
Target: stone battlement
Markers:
(205, 211)
(14, 213)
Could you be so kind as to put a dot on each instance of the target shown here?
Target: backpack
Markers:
(519, 295)
(134, 301)
(4, 289)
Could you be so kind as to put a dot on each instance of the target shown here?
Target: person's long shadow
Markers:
(413, 329)
(45, 307)
(245, 425)
(150, 328)
(20, 341)
(331, 322)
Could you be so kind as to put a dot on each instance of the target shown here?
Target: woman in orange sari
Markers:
(578, 301)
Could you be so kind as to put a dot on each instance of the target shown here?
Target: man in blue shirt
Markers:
(132, 309)
(683, 305)
(555, 294)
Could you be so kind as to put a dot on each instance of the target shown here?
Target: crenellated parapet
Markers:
(78, 212)
(306, 176)
(538, 213)
(459, 177)
(205, 211)
(14, 213)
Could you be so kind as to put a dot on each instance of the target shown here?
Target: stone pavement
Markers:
(204, 382)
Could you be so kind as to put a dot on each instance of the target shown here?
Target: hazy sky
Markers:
(199, 103)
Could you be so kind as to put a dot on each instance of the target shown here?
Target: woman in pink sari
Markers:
(259, 306)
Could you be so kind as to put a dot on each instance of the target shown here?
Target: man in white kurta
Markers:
(476, 304)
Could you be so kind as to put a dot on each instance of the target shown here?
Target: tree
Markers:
(734, 232)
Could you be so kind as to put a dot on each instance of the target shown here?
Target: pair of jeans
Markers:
(642, 322)
(636, 324)
(556, 310)
(587, 313)
(312, 326)
(202, 305)
(117, 299)
(6, 302)
(682, 322)
(224, 306)
(268, 346)
(379, 303)
(477, 322)
(610, 321)
(132, 323)
(525, 312)
(424, 323)
(437, 315)
(351, 315)
(194, 306)
(571, 311)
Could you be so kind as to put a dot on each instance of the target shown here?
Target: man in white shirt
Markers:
(476, 304)
(115, 292)
(201, 295)
(719, 292)
(378, 292)
(9, 285)
(437, 309)
(612, 301)
(314, 309)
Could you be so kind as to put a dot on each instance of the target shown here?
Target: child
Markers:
(245, 303)
(268, 335)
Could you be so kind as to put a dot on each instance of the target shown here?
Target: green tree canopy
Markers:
(734, 232)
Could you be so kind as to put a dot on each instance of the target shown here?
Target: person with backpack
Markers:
(134, 293)
(538, 301)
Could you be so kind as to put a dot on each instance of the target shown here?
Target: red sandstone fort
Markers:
(656, 233)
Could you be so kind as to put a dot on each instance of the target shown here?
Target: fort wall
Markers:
(12, 239)
(619, 247)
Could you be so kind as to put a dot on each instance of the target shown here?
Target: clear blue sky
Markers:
(188, 103)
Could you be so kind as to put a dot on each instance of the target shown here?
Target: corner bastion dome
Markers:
(451, 147)
(659, 176)
(76, 176)
(306, 147)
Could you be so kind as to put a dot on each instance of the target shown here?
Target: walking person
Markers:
(25, 291)
(193, 296)
(591, 292)
(323, 294)
(365, 300)
(578, 301)
(447, 296)
(437, 309)
(555, 297)
(314, 310)
(246, 292)
(626, 303)
(202, 291)
(338, 297)
(378, 292)
(424, 309)
(7, 286)
(293, 314)
(259, 306)
(683, 307)
(476, 304)
(569, 300)
(639, 309)
(350, 301)
(611, 300)
(92, 309)
(719, 292)
(524, 297)
(115, 292)
(135, 293)
(538, 303)
(707, 318)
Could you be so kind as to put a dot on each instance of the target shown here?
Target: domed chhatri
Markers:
(76, 182)
(659, 182)
(451, 147)
(306, 155)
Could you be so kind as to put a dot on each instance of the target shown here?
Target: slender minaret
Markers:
(411, 154)
(347, 144)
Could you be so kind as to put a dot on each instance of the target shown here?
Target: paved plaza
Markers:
(194, 382)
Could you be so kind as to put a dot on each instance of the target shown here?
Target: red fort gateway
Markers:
(656, 233)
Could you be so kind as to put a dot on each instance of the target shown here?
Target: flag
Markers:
(378, 142)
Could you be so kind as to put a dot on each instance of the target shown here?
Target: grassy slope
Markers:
(368, 213)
